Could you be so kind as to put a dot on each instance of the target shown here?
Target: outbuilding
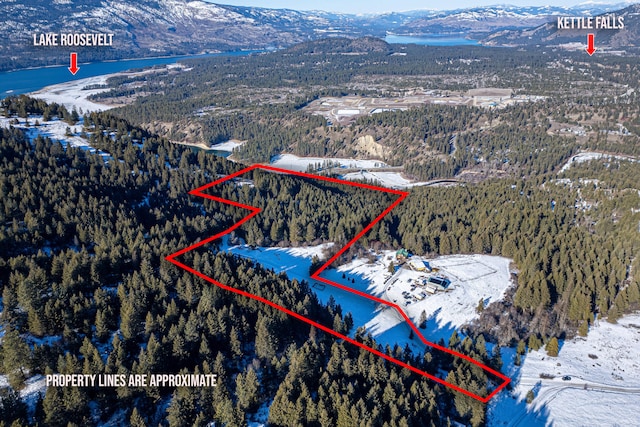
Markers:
(420, 265)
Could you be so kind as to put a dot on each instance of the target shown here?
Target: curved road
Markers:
(553, 387)
(578, 384)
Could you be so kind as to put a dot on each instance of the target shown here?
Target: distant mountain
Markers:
(157, 27)
(493, 18)
(547, 34)
(171, 27)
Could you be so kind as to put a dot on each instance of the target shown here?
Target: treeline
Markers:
(568, 272)
(296, 210)
(440, 141)
(23, 105)
(332, 64)
(572, 266)
(320, 68)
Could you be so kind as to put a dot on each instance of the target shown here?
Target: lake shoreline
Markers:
(21, 81)
(142, 58)
(433, 39)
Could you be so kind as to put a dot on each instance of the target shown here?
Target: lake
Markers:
(432, 40)
(30, 80)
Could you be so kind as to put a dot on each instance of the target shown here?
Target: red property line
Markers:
(254, 211)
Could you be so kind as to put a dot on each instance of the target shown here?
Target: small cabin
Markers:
(402, 254)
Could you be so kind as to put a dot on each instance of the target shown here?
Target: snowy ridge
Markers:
(497, 17)
(150, 27)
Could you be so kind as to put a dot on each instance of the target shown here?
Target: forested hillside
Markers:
(265, 100)
(85, 289)
(573, 264)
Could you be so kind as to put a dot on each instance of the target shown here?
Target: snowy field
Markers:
(606, 363)
(229, 146)
(446, 312)
(71, 94)
(588, 156)
(386, 179)
(301, 164)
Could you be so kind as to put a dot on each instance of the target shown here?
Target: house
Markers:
(420, 265)
(402, 254)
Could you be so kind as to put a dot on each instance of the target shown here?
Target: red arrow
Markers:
(590, 44)
(74, 63)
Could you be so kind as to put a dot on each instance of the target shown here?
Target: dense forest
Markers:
(85, 289)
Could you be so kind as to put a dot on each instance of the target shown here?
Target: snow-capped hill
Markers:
(494, 18)
(547, 34)
(170, 27)
(160, 27)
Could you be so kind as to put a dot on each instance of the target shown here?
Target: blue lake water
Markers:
(432, 40)
(24, 81)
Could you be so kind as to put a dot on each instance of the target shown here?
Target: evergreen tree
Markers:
(534, 342)
(583, 330)
(247, 390)
(423, 319)
(136, 419)
(552, 347)
(12, 408)
(530, 396)
(16, 358)
(266, 343)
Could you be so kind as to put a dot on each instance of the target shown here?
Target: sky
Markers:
(377, 6)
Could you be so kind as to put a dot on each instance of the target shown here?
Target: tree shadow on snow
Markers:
(510, 408)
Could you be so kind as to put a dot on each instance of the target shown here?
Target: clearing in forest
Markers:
(238, 182)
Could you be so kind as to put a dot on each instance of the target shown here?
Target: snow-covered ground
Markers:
(590, 155)
(56, 130)
(604, 389)
(301, 164)
(386, 179)
(229, 146)
(71, 94)
(474, 277)
(34, 388)
(607, 360)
